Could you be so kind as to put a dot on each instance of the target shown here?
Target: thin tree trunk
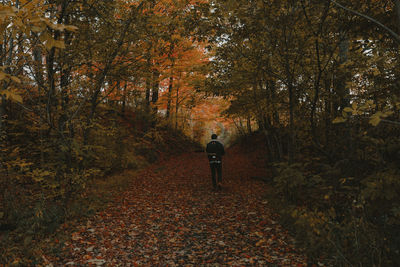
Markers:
(156, 84)
(171, 81)
(343, 57)
(239, 127)
(176, 107)
(291, 125)
(343, 92)
(316, 93)
(291, 93)
(148, 82)
(260, 115)
(2, 105)
(249, 125)
(124, 99)
(7, 62)
(397, 6)
(2, 115)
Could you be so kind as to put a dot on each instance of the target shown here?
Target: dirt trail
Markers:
(170, 216)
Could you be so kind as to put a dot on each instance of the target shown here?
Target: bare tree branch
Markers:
(392, 33)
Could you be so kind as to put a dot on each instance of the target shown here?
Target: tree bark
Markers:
(249, 125)
(341, 84)
(148, 81)
(176, 107)
(397, 7)
(343, 92)
(316, 93)
(291, 125)
(171, 81)
(155, 90)
(124, 99)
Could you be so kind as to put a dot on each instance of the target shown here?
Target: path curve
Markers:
(170, 216)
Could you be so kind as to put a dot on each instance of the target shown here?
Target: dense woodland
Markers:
(90, 87)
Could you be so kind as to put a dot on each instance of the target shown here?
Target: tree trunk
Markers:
(397, 6)
(249, 125)
(291, 125)
(148, 83)
(2, 115)
(260, 115)
(341, 84)
(316, 93)
(176, 107)
(344, 92)
(170, 85)
(156, 84)
(171, 81)
(124, 99)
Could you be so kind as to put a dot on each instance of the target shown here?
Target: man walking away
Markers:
(215, 151)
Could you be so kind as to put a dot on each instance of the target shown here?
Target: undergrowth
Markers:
(49, 183)
(341, 213)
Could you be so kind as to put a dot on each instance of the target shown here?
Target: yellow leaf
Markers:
(339, 120)
(376, 72)
(18, 22)
(59, 44)
(258, 234)
(71, 28)
(348, 109)
(57, 27)
(259, 243)
(37, 29)
(3, 76)
(6, 11)
(50, 43)
(38, 179)
(15, 79)
(15, 98)
(386, 114)
(375, 119)
(12, 96)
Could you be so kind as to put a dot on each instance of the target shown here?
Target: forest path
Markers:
(170, 216)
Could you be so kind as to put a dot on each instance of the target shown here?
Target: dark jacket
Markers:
(215, 151)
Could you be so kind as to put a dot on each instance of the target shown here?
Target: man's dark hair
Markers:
(214, 136)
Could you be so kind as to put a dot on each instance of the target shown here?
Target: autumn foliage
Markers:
(91, 88)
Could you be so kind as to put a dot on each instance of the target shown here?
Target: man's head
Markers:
(214, 136)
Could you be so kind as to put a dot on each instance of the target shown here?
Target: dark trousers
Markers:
(216, 169)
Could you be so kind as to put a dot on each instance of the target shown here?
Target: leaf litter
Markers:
(170, 216)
